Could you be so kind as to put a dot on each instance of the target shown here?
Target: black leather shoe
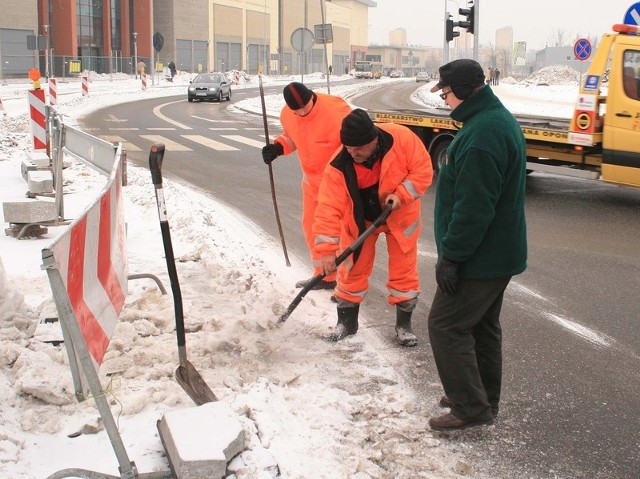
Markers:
(446, 402)
(320, 285)
(448, 422)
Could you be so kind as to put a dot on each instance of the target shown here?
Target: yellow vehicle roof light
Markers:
(623, 28)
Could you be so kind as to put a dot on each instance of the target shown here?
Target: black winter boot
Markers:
(403, 328)
(347, 323)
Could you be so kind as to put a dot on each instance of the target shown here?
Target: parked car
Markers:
(422, 76)
(209, 86)
(396, 74)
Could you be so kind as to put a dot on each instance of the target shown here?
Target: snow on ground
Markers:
(323, 410)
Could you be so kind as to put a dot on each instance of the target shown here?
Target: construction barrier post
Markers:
(85, 85)
(38, 119)
(143, 80)
(53, 91)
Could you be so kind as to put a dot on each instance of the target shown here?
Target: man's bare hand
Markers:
(394, 199)
(328, 264)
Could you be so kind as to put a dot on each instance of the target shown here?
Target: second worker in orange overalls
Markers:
(378, 164)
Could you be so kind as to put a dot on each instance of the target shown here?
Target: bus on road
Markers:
(368, 69)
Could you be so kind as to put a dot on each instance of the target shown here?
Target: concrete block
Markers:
(29, 211)
(26, 166)
(201, 440)
(40, 159)
(40, 182)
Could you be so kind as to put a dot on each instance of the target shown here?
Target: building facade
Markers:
(106, 36)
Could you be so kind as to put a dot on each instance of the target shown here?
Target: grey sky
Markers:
(536, 22)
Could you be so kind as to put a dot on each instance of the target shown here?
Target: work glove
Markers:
(271, 152)
(447, 275)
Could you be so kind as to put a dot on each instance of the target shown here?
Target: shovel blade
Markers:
(190, 380)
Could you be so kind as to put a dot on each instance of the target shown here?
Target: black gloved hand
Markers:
(447, 276)
(271, 152)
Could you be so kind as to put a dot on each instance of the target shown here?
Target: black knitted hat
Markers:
(357, 129)
(296, 95)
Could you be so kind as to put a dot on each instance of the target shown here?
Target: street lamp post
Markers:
(411, 63)
(135, 53)
(46, 51)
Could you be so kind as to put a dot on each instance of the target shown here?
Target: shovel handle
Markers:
(155, 163)
(344, 255)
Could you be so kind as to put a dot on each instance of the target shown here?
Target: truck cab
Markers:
(612, 120)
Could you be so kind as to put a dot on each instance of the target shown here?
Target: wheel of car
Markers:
(190, 99)
(220, 96)
(229, 95)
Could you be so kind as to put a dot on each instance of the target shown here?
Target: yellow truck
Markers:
(601, 140)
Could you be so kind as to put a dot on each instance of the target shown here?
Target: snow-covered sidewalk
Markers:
(323, 410)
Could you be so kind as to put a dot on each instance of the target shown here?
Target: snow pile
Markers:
(560, 84)
(553, 75)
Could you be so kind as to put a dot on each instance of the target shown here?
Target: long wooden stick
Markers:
(273, 188)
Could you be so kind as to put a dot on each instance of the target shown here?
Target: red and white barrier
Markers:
(53, 91)
(38, 116)
(85, 85)
(143, 81)
(91, 258)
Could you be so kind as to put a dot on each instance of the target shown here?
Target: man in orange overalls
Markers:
(311, 125)
(377, 165)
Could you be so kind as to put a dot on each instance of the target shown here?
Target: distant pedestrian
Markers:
(496, 76)
(481, 239)
(172, 69)
(141, 68)
(489, 79)
(330, 69)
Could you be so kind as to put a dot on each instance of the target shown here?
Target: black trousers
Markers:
(466, 339)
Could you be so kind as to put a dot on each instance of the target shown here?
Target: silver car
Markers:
(209, 86)
(422, 76)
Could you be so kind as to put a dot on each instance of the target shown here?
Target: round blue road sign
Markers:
(582, 49)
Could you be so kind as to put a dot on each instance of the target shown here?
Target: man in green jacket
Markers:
(480, 233)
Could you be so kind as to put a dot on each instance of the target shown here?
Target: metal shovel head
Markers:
(196, 388)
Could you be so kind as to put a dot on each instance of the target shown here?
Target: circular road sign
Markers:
(632, 16)
(302, 39)
(582, 49)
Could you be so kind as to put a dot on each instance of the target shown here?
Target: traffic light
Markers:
(469, 23)
(450, 33)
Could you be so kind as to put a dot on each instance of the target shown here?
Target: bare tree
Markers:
(559, 38)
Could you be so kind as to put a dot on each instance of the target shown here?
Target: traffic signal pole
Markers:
(476, 29)
(445, 42)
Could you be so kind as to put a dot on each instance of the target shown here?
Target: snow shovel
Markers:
(344, 255)
(186, 374)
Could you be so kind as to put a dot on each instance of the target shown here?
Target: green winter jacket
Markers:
(479, 209)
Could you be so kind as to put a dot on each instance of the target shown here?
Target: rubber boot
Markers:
(347, 323)
(404, 332)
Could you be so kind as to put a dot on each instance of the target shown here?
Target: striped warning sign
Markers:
(53, 91)
(38, 123)
(85, 85)
(91, 258)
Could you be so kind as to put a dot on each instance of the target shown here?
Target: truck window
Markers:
(631, 74)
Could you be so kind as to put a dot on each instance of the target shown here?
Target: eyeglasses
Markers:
(443, 95)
